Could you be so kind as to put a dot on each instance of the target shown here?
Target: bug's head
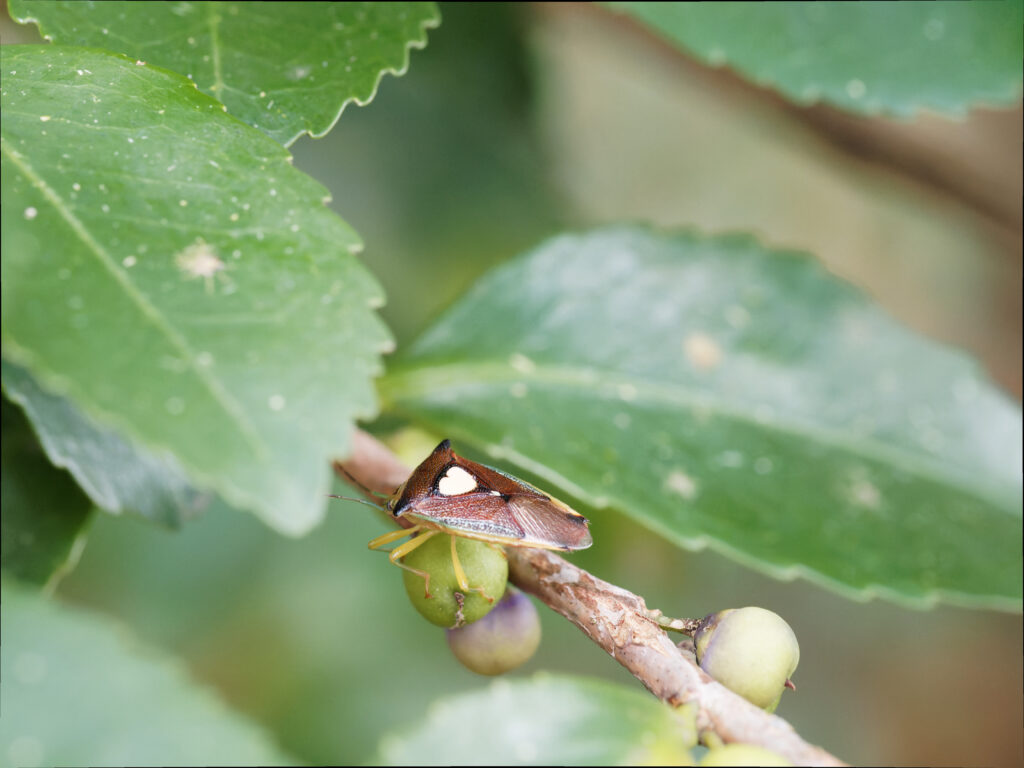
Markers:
(422, 479)
(395, 498)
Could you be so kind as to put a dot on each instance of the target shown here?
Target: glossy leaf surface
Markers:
(722, 393)
(893, 58)
(45, 514)
(177, 280)
(285, 68)
(546, 720)
(117, 474)
(79, 691)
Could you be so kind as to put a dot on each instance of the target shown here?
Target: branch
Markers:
(615, 619)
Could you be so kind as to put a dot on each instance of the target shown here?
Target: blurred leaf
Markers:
(285, 68)
(117, 474)
(444, 182)
(178, 281)
(546, 720)
(871, 58)
(928, 258)
(724, 394)
(44, 512)
(78, 690)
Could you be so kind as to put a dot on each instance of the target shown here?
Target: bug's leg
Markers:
(460, 576)
(404, 549)
(390, 536)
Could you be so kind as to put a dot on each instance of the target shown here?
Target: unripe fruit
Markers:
(502, 640)
(742, 754)
(750, 651)
(449, 605)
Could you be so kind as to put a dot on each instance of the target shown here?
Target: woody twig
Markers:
(618, 621)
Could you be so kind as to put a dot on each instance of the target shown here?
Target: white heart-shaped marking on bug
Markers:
(456, 481)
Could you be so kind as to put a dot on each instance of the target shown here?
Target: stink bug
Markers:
(449, 494)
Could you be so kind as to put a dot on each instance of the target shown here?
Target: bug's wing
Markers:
(544, 520)
(549, 523)
(526, 520)
(474, 515)
(496, 480)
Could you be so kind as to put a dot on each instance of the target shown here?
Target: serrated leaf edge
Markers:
(212, 19)
(418, 43)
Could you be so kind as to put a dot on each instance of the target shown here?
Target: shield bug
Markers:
(449, 494)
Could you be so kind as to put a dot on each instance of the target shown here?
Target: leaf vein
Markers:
(148, 310)
(421, 383)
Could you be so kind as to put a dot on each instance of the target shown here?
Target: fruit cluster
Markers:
(488, 635)
(493, 628)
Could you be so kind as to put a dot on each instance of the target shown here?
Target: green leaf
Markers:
(871, 58)
(546, 720)
(285, 68)
(116, 474)
(45, 515)
(166, 270)
(725, 394)
(78, 690)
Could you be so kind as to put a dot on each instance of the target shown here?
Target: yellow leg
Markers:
(390, 536)
(460, 575)
(396, 555)
(402, 550)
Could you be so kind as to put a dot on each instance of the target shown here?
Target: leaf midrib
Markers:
(232, 409)
(416, 382)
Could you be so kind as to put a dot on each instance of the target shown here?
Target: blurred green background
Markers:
(519, 121)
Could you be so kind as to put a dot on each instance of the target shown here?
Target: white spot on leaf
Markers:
(860, 491)
(702, 351)
(627, 392)
(522, 363)
(681, 483)
(856, 89)
(200, 260)
(864, 493)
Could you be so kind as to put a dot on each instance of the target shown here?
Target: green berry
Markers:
(742, 754)
(502, 640)
(750, 651)
(449, 605)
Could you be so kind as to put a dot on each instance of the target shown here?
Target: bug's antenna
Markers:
(357, 484)
(353, 498)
